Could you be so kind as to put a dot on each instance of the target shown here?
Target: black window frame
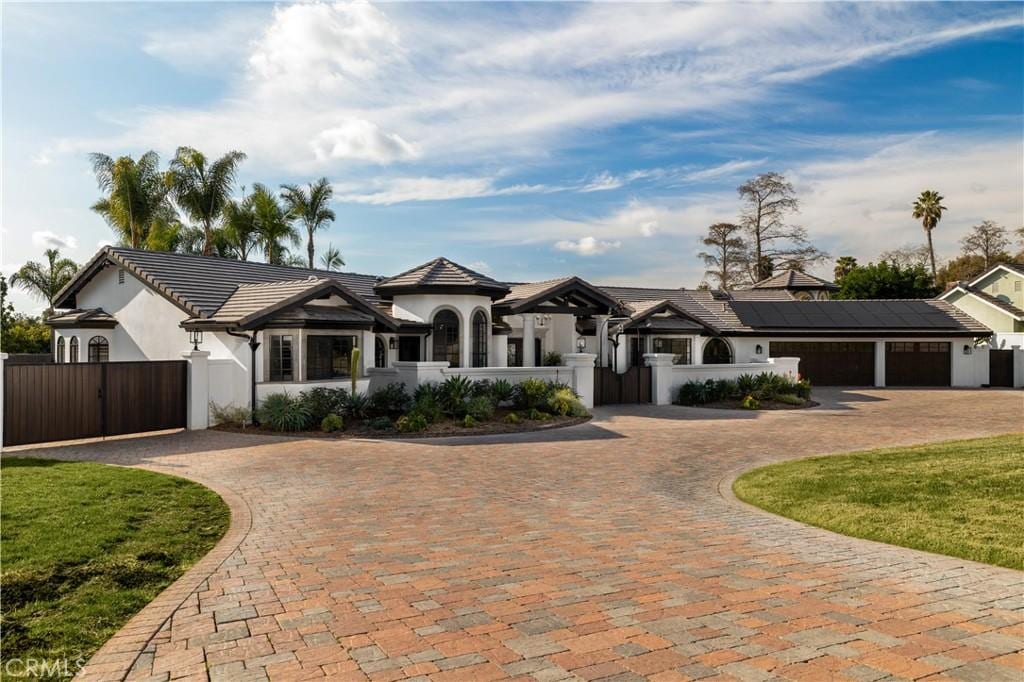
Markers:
(60, 350)
(446, 336)
(667, 344)
(380, 352)
(327, 357)
(278, 358)
(73, 350)
(720, 342)
(481, 332)
(101, 346)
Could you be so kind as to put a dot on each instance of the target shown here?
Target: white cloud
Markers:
(363, 140)
(723, 170)
(398, 190)
(601, 182)
(44, 239)
(587, 246)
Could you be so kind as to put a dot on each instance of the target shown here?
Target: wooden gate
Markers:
(612, 388)
(1000, 368)
(51, 402)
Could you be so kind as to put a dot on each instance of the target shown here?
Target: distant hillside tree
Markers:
(886, 280)
(726, 257)
(844, 265)
(907, 256)
(988, 240)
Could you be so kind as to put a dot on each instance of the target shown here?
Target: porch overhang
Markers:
(571, 296)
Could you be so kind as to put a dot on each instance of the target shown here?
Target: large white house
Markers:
(269, 328)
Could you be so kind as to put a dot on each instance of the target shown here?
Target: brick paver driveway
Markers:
(609, 550)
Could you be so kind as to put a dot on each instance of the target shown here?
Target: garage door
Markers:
(831, 363)
(917, 363)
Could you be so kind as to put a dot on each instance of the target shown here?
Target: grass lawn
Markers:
(961, 498)
(85, 546)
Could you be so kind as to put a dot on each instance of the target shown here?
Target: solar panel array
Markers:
(843, 315)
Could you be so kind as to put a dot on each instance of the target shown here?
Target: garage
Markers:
(831, 363)
(918, 363)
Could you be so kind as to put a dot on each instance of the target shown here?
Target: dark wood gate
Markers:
(1000, 368)
(612, 388)
(44, 403)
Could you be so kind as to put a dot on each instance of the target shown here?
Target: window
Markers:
(679, 348)
(408, 348)
(480, 334)
(60, 350)
(995, 287)
(120, 276)
(380, 353)
(446, 338)
(281, 358)
(717, 352)
(1017, 285)
(73, 349)
(99, 349)
(329, 357)
(636, 352)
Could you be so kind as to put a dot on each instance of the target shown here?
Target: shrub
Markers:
(690, 393)
(750, 403)
(428, 408)
(538, 416)
(414, 422)
(331, 423)
(511, 418)
(565, 402)
(480, 408)
(501, 391)
(390, 401)
(230, 415)
(455, 393)
(281, 412)
(468, 421)
(322, 401)
(357, 406)
(430, 389)
(380, 424)
(789, 399)
(802, 389)
(745, 383)
(530, 394)
(481, 389)
(552, 359)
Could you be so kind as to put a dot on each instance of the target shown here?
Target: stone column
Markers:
(661, 377)
(529, 359)
(499, 350)
(582, 365)
(198, 408)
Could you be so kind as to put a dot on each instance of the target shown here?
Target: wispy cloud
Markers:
(399, 190)
(44, 239)
(587, 246)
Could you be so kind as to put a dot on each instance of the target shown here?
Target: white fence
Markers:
(666, 378)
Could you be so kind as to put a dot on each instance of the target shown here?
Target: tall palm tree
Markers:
(844, 266)
(273, 225)
(136, 195)
(312, 208)
(928, 209)
(240, 226)
(44, 281)
(331, 259)
(202, 188)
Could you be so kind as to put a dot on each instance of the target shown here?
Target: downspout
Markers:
(251, 339)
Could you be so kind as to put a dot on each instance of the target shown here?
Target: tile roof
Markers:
(443, 274)
(794, 279)
(998, 302)
(249, 299)
(82, 318)
(522, 291)
(320, 313)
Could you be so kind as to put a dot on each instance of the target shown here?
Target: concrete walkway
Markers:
(611, 550)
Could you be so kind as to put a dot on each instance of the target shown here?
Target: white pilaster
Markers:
(661, 377)
(582, 365)
(198, 389)
(880, 364)
(529, 357)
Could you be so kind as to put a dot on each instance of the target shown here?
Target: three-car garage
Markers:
(853, 363)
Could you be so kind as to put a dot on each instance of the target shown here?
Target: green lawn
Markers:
(961, 498)
(85, 546)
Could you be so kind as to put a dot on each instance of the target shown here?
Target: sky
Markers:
(526, 140)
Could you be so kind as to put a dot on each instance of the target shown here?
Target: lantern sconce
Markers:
(196, 337)
(392, 343)
(967, 349)
(657, 344)
(758, 349)
(581, 344)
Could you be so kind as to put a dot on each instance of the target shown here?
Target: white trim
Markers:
(979, 298)
(1000, 266)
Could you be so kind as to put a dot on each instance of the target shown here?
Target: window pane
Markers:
(98, 349)
(281, 358)
(329, 357)
(446, 338)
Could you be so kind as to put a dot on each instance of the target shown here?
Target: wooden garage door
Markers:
(831, 363)
(917, 363)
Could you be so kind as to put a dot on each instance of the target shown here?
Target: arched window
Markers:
(99, 349)
(717, 352)
(480, 334)
(73, 349)
(380, 353)
(446, 337)
(60, 350)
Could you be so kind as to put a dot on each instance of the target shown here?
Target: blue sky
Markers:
(528, 140)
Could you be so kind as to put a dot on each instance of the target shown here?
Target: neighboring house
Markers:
(800, 285)
(996, 299)
(270, 328)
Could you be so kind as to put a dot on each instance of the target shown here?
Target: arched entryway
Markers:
(717, 352)
(446, 338)
(380, 353)
(481, 330)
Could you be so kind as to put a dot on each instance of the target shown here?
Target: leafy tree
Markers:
(844, 265)
(907, 256)
(988, 240)
(136, 195)
(928, 209)
(202, 188)
(727, 256)
(273, 225)
(331, 259)
(960, 269)
(45, 280)
(887, 280)
(312, 207)
(240, 230)
(769, 199)
(6, 307)
(25, 334)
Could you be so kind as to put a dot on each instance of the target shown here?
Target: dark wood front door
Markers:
(830, 363)
(918, 363)
(612, 388)
(1000, 368)
(515, 352)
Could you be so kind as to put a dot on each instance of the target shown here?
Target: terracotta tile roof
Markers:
(794, 279)
(249, 299)
(443, 274)
(523, 291)
(82, 318)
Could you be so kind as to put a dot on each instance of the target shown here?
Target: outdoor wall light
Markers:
(581, 344)
(758, 349)
(195, 337)
(392, 343)
(657, 344)
(967, 349)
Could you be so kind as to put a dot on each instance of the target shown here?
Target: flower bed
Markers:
(455, 407)
(765, 391)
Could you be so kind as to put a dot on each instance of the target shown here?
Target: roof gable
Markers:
(441, 275)
(998, 272)
(527, 296)
(794, 279)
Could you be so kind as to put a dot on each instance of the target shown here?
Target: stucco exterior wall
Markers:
(1004, 284)
(995, 319)
(423, 307)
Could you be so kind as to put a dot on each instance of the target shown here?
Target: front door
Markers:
(409, 348)
(515, 352)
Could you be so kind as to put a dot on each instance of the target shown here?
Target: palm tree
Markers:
(312, 208)
(136, 195)
(273, 225)
(928, 209)
(331, 259)
(240, 226)
(44, 281)
(201, 188)
(844, 266)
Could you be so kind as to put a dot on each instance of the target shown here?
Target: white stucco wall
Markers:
(423, 307)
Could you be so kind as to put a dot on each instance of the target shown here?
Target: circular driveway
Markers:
(608, 550)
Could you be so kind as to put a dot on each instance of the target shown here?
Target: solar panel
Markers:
(843, 315)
